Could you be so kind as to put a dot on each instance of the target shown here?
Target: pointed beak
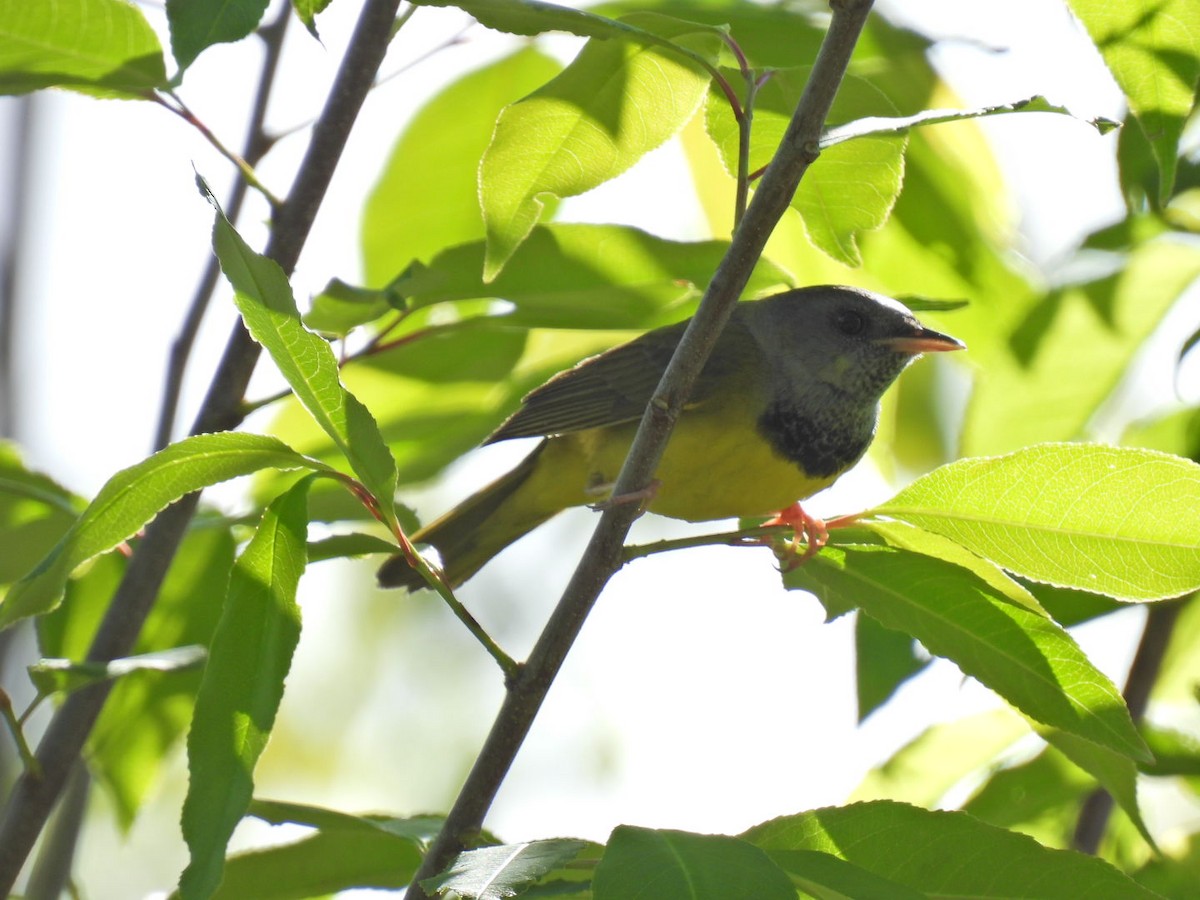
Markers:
(925, 340)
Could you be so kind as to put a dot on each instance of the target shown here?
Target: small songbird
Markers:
(787, 402)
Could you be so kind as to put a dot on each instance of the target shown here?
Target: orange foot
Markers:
(809, 529)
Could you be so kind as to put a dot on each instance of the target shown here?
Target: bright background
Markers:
(700, 695)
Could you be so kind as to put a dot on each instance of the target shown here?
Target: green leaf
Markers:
(133, 496)
(883, 661)
(876, 125)
(411, 214)
(264, 298)
(851, 188)
(1069, 607)
(319, 866)
(306, 11)
(435, 398)
(1153, 51)
(1040, 797)
(354, 545)
(342, 307)
(1117, 774)
(614, 103)
(907, 537)
(94, 45)
(492, 873)
(1024, 657)
(35, 512)
(1175, 875)
(50, 676)
(242, 687)
(926, 769)
(533, 17)
(828, 877)
(946, 854)
(1178, 684)
(1111, 520)
(419, 830)
(649, 864)
(348, 851)
(144, 718)
(1175, 752)
(585, 276)
(198, 24)
(949, 235)
(1051, 366)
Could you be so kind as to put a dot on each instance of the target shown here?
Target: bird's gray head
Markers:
(850, 340)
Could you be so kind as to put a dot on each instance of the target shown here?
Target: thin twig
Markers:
(744, 122)
(31, 799)
(753, 536)
(244, 167)
(256, 144)
(602, 558)
(1143, 673)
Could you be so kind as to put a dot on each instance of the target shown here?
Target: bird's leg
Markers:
(809, 528)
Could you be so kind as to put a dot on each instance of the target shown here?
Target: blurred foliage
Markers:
(473, 292)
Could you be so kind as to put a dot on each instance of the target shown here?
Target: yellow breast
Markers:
(716, 466)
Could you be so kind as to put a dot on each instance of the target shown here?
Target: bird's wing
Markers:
(608, 389)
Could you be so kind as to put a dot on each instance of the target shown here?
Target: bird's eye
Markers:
(850, 322)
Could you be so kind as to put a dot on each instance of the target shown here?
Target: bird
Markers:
(786, 403)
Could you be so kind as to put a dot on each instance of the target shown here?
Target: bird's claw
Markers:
(808, 530)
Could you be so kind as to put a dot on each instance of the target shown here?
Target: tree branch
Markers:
(32, 798)
(603, 556)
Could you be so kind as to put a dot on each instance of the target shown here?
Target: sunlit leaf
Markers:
(941, 757)
(264, 298)
(615, 102)
(946, 854)
(1024, 657)
(133, 496)
(1153, 50)
(54, 675)
(1052, 366)
(493, 873)
(874, 125)
(35, 512)
(420, 830)
(852, 187)
(643, 863)
(427, 196)
(1112, 520)
(824, 875)
(585, 276)
(320, 865)
(104, 45)
(1117, 774)
(1040, 797)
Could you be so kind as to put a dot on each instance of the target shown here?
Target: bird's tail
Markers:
(476, 530)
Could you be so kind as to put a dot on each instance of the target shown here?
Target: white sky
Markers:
(701, 695)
